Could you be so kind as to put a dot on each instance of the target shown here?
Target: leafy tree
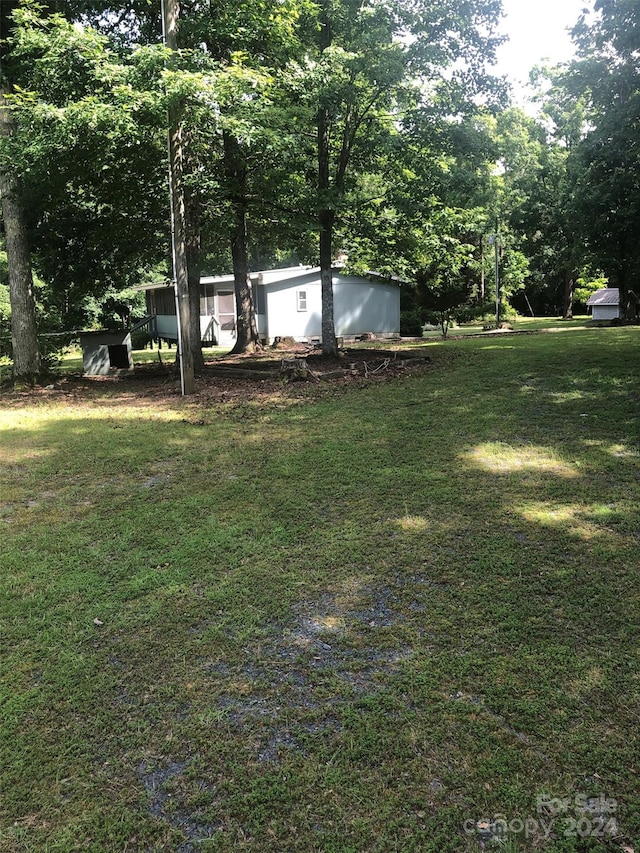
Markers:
(448, 274)
(606, 162)
(528, 207)
(95, 229)
(362, 71)
(101, 215)
(236, 51)
(341, 64)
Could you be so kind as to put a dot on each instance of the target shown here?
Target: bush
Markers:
(140, 339)
(410, 324)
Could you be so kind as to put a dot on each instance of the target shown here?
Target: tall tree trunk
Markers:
(194, 256)
(329, 341)
(26, 354)
(567, 303)
(623, 294)
(326, 213)
(326, 221)
(171, 12)
(180, 270)
(247, 339)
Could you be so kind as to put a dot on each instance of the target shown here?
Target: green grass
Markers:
(519, 324)
(358, 618)
(71, 361)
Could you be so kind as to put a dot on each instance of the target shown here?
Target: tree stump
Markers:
(294, 369)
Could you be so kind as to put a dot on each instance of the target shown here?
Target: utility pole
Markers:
(496, 251)
(170, 13)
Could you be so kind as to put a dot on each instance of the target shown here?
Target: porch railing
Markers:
(211, 334)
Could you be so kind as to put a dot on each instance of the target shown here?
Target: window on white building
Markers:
(302, 300)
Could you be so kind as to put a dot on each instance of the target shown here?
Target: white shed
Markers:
(288, 304)
(106, 353)
(605, 303)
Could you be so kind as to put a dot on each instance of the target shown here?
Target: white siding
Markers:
(283, 317)
(167, 327)
(365, 306)
(359, 306)
(605, 312)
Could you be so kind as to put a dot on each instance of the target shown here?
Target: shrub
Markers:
(410, 324)
(140, 339)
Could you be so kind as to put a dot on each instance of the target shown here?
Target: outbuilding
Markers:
(288, 304)
(605, 303)
(106, 353)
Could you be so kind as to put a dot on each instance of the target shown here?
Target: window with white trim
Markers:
(302, 300)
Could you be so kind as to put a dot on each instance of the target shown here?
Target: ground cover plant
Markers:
(354, 616)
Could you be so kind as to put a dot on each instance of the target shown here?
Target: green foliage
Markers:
(100, 214)
(449, 269)
(5, 305)
(603, 88)
(320, 669)
(140, 339)
(411, 323)
(587, 285)
(414, 128)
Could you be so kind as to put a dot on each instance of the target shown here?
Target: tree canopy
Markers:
(312, 129)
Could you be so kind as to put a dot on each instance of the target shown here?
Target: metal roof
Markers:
(277, 276)
(604, 296)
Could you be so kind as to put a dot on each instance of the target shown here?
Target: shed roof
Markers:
(604, 296)
(279, 276)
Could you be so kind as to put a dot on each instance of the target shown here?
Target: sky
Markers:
(537, 30)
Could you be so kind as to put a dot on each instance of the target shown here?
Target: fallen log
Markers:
(240, 373)
(381, 354)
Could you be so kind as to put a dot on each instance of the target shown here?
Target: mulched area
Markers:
(236, 379)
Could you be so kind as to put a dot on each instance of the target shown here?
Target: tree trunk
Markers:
(195, 332)
(567, 303)
(193, 246)
(326, 220)
(247, 339)
(326, 213)
(26, 355)
(170, 10)
(623, 293)
(329, 342)
(180, 270)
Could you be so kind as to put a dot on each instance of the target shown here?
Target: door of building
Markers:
(227, 316)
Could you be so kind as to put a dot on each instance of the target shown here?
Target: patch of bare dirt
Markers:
(234, 379)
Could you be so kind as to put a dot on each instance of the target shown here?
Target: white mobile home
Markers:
(288, 304)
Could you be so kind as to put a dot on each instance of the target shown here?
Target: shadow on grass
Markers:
(358, 624)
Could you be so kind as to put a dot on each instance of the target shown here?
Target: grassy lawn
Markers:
(71, 362)
(520, 324)
(366, 618)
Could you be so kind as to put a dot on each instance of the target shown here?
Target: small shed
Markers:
(106, 353)
(605, 303)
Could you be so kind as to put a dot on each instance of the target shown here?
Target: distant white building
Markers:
(605, 303)
(288, 304)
